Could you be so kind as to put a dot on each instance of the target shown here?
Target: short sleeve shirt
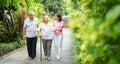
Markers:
(56, 26)
(31, 27)
(46, 30)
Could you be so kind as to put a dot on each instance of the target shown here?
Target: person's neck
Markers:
(46, 22)
(31, 19)
(58, 21)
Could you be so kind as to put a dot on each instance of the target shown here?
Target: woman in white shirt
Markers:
(46, 36)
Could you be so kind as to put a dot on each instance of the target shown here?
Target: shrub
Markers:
(8, 47)
(95, 27)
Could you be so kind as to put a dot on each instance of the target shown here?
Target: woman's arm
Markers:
(60, 27)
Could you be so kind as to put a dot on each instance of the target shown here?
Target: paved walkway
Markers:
(20, 56)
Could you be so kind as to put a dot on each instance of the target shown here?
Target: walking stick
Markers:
(40, 49)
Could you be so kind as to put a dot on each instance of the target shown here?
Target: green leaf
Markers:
(113, 14)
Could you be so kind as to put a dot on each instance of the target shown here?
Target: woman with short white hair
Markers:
(46, 36)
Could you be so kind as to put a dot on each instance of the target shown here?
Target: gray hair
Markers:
(31, 13)
(46, 16)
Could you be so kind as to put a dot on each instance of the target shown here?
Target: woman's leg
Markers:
(56, 44)
(49, 43)
(45, 47)
(60, 38)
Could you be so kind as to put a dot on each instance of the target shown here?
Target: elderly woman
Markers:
(30, 32)
(46, 36)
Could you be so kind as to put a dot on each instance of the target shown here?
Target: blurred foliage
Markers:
(54, 6)
(8, 20)
(10, 11)
(96, 31)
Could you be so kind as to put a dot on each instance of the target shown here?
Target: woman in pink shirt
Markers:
(58, 35)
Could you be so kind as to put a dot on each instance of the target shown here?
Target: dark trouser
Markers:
(47, 47)
(31, 46)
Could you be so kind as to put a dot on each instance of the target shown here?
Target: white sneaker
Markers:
(58, 57)
(48, 59)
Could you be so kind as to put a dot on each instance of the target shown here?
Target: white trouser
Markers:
(58, 44)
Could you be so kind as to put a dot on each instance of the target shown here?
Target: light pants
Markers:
(58, 44)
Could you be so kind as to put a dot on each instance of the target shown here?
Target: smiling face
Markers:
(46, 19)
(31, 16)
